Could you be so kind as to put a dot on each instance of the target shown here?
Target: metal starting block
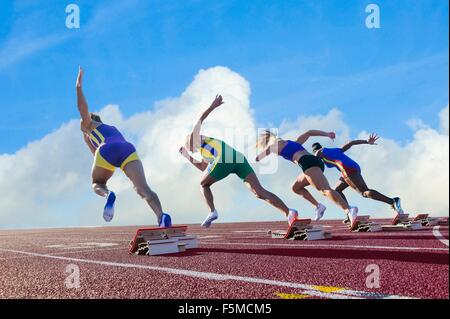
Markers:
(363, 224)
(426, 220)
(402, 222)
(301, 229)
(161, 241)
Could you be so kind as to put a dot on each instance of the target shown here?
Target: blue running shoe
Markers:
(397, 206)
(166, 221)
(108, 212)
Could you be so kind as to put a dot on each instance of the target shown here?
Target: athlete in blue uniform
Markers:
(312, 168)
(111, 150)
(351, 172)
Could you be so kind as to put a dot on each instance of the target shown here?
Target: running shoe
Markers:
(320, 210)
(165, 221)
(397, 206)
(108, 212)
(353, 215)
(209, 219)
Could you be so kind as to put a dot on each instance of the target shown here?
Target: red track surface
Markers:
(233, 261)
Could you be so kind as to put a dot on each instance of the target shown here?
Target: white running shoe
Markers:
(108, 211)
(292, 216)
(209, 219)
(320, 210)
(352, 215)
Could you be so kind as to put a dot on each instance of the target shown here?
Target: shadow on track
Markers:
(356, 254)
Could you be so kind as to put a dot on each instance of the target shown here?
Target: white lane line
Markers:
(70, 252)
(312, 290)
(439, 236)
(81, 245)
(326, 246)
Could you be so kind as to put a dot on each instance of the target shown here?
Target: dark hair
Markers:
(316, 147)
(96, 117)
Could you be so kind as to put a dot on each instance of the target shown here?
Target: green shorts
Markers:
(222, 169)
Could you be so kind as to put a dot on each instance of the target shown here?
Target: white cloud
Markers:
(47, 183)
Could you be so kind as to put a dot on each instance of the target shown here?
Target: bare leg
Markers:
(135, 172)
(319, 181)
(299, 188)
(253, 183)
(340, 187)
(356, 181)
(100, 177)
(205, 189)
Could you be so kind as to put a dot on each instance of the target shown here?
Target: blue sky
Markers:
(301, 58)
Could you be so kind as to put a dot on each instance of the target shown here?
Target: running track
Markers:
(237, 260)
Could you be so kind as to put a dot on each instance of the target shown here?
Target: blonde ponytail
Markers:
(266, 138)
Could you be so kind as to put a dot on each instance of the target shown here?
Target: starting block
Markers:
(427, 221)
(161, 241)
(301, 229)
(402, 222)
(363, 224)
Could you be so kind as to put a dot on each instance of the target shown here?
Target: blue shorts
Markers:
(115, 154)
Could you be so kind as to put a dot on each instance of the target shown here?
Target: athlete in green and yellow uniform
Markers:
(220, 160)
(224, 160)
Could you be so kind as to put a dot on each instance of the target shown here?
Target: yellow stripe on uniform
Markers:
(100, 135)
(215, 145)
(131, 158)
(338, 165)
(101, 162)
(94, 139)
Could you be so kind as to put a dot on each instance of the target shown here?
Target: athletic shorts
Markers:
(221, 170)
(116, 154)
(308, 161)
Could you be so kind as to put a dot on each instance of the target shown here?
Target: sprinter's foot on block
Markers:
(320, 210)
(292, 216)
(353, 216)
(209, 219)
(165, 221)
(108, 212)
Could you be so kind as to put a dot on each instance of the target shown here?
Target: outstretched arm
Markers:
(200, 165)
(371, 141)
(195, 135)
(81, 102)
(305, 136)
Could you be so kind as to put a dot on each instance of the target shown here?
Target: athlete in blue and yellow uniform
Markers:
(351, 172)
(220, 160)
(111, 150)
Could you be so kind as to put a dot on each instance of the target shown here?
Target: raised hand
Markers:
(218, 101)
(332, 135)
(80, 77)
(372, 139)
(183, 151)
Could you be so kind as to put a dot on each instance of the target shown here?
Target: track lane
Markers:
(301, 264)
